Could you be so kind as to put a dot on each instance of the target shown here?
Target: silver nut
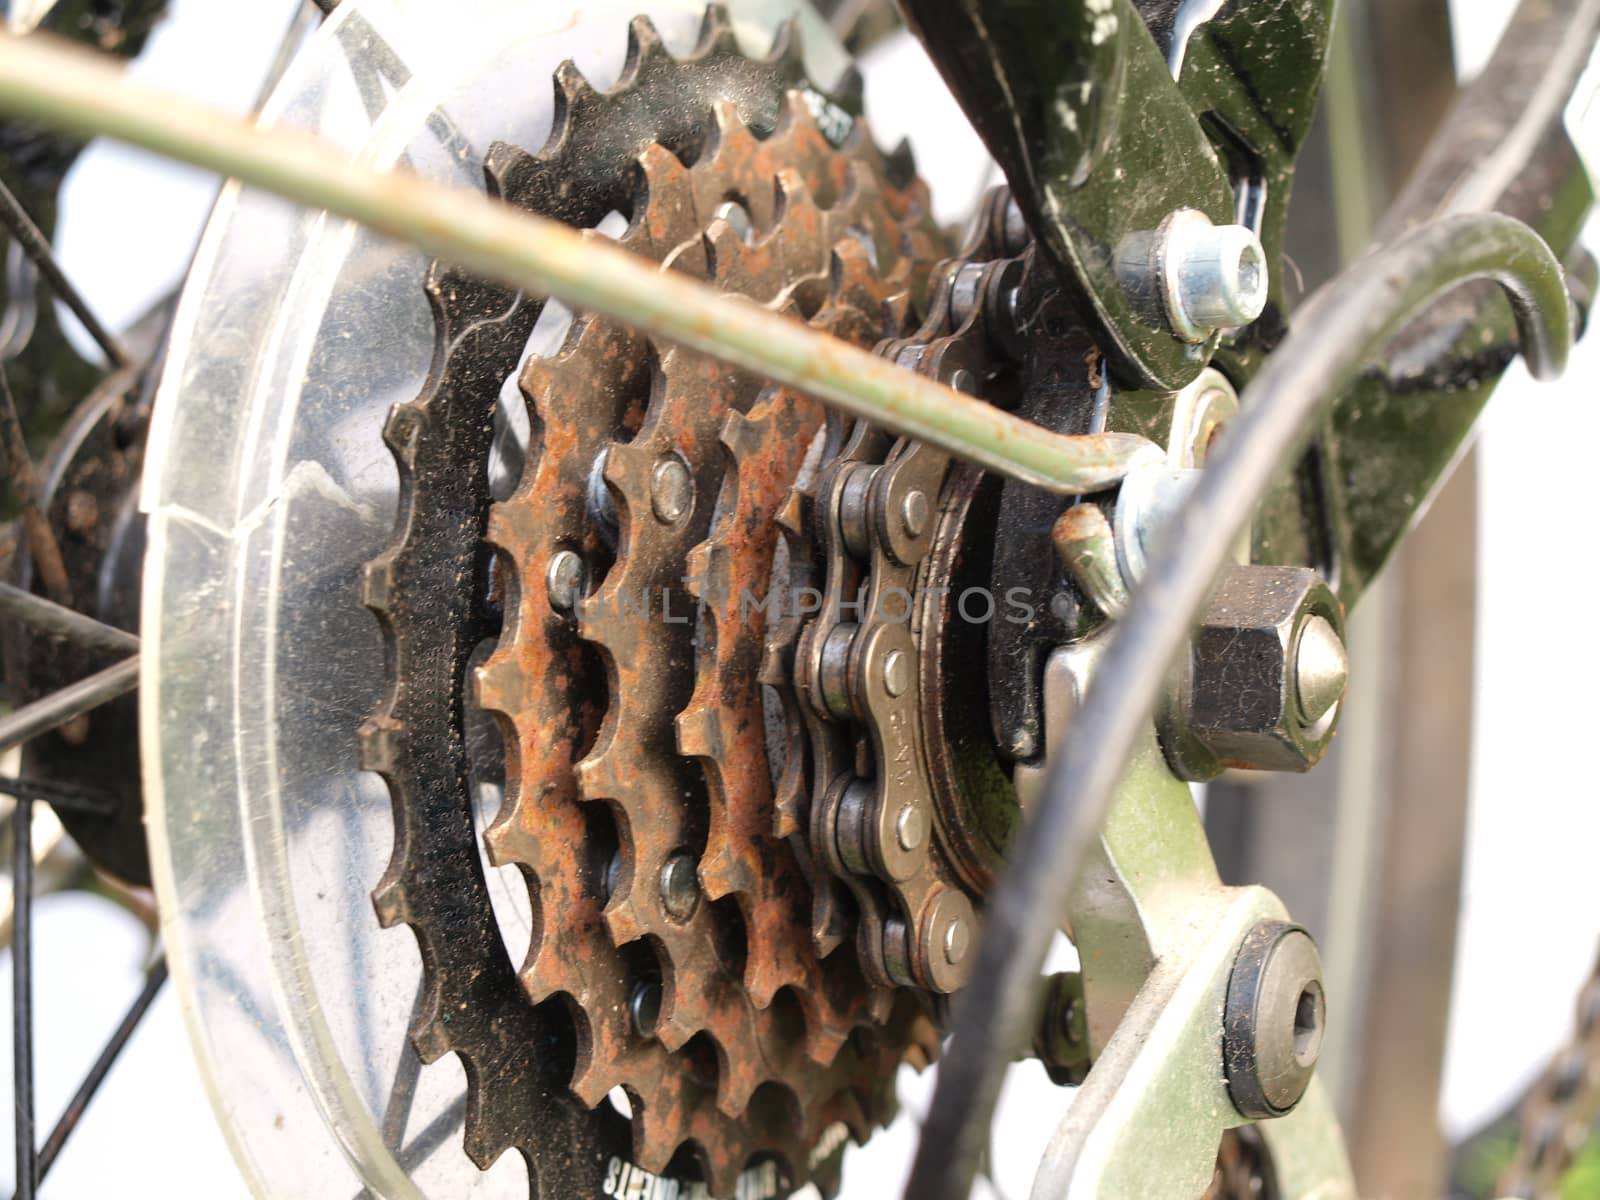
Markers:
(680, 890)
(671, 489)
(564, 580)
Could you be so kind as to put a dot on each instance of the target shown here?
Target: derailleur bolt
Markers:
(1205, 277)
(1217, 273)
(680, 890)
(1274, 1020)
(671, 489)
(564, 580)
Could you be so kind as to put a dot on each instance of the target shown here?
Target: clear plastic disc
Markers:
(268, 487)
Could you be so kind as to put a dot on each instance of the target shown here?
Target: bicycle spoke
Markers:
(403, 1089)
(22, 996)
(61, 706)
(433, 1135)
(49, 617)
(154, 977)
(24, 483)
(35, 245)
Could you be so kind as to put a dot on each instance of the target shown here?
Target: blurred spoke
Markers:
(22, 996)
(61, 706)
(49, 617)
(154, 977)
(37, 247)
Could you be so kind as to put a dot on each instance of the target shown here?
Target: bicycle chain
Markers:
(1559, 1116)
(872, 814)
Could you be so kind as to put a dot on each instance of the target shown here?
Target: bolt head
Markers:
(1213, 276)
(680, 889)
(1274, 1019)
(671, 489)
(564, 580)
(914, 513)
(911, 827)
(896, 672)
(1222, 276)
(1321, 669)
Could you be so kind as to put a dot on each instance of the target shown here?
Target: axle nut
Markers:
(1274, 1020)
(1264, 682)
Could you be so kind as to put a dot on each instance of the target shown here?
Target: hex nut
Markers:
(1240, 701)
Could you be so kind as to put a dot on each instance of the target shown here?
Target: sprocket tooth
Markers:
(698, 571)
(377, 586)
(698, 736)
(794, 116)
(786, 49)
(403, 429)
(722, 1175)
(646, 51)
(730, 138)
(661, 173)
(577, 102)
(626, 924)
(789, 516)
(849, 91)
(900, 164)
(499, 682)
(716, 33)
(389, 902)
(379, 744)
(850, 277)
(503, 164)
(741, 436)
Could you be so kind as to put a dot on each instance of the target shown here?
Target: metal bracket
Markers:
(1157, 935)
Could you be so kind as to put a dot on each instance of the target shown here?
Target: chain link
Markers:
(1560, 1114)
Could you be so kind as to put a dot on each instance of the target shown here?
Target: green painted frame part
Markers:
(69, 90)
